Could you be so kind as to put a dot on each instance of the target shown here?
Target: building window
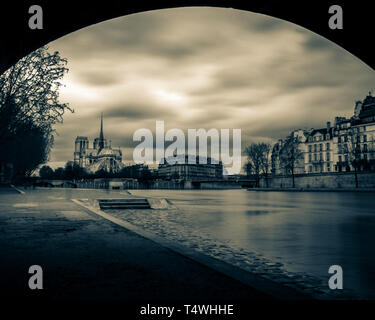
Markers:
(339, 139)
(321, 147)
(315, 148)
(310, 148)
(364, 138)
(310, 168)
(365, 148)
(310, 157)
(340, 158)
(328, 167)
(346, 158)
(315, 157)
(346, 138)
(327, 146)
(328, 156)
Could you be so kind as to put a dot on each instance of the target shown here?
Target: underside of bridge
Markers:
(61, 18)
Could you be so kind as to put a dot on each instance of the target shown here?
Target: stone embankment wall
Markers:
(324, 180)
(156, 184)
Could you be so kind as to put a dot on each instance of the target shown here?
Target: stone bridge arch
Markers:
(61, 18)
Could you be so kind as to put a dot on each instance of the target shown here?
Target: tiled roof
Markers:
(323, 131)
(367, 113)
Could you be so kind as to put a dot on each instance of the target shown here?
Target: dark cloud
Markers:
(137, 111)
(316, 42)
(99, 78)
(203, 68)
(264, 24)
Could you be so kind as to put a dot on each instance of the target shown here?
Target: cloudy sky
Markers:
(202, 68)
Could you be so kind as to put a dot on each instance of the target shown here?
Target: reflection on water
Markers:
(256, 212)
(304, 231)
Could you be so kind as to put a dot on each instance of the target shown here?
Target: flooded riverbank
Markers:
(280, 235)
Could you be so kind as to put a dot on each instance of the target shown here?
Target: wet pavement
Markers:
(85, 257)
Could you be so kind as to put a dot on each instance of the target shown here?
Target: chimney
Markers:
(328, 125)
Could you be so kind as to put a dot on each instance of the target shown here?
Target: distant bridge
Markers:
(55, 183)
(221, 183)
(188, 184)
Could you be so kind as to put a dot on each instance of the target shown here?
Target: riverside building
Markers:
(319, 155)
(276, 162)
(191, 171)
(337, 148)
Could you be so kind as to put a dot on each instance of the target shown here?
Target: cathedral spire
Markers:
(101, 137)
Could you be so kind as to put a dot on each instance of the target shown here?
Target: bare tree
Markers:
(254, 155)
(353, 149)
(265, 161)
(290, 155)
(258, 160)
(29, 97)
(247, 168)
(33, 85)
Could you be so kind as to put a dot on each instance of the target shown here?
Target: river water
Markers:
(281, 235)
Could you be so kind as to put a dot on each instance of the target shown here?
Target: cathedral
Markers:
(100, 157)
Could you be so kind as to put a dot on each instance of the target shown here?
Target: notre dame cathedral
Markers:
(100, 157)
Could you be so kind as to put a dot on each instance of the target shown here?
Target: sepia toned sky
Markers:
(202, 68)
